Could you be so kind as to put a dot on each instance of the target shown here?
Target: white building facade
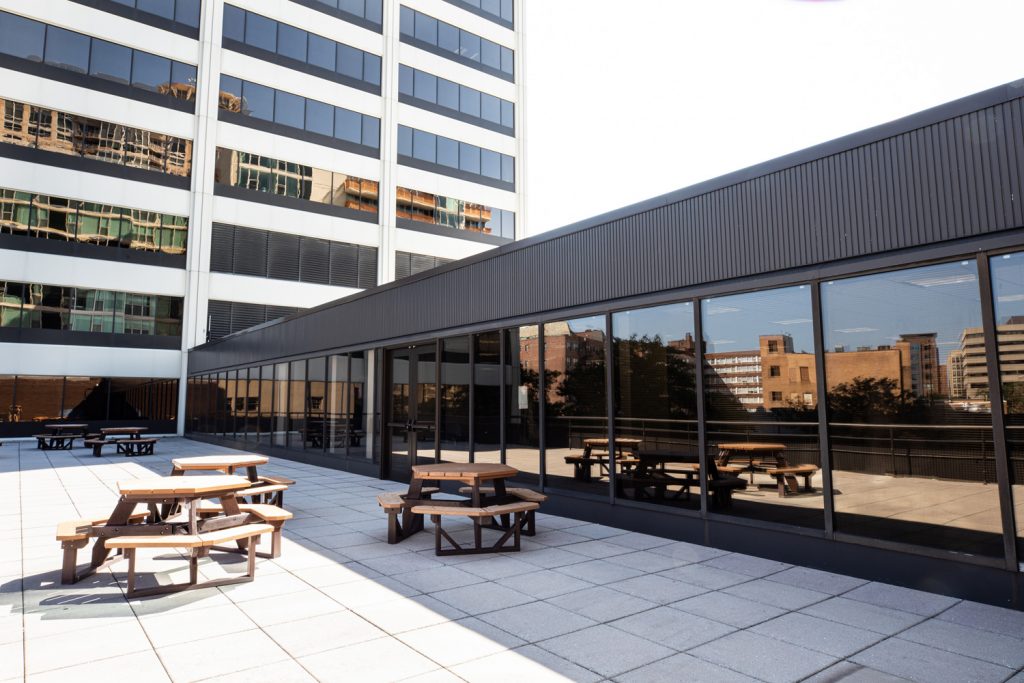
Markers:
(173, 171)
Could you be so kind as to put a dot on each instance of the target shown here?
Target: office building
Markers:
(174, 172)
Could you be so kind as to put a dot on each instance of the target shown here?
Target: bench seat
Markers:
(69, 530)
(517, 510)
(270, 514)
(786, 477)
(394, 504)
(520, 493)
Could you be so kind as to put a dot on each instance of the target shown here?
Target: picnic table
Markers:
(59, 439)
(583, 464)
(128, 440)
(59, 427)
(263, 489)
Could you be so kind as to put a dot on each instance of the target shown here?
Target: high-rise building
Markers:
(173, 172)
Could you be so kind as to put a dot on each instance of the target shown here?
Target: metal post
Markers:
(702, 450)
(609, 381)
(502, 384)
(541, 400)
(472, 398)
(824, 439)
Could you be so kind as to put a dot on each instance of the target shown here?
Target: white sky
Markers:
(629, 99)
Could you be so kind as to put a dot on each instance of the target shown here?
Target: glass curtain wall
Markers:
(252, 406)
(912, 456)
(761, 403)
(297, 405)
(522, 401)
(357, 406)
(655, 398)
(316, 417)
(455, 381)
(487, 397)
(337, 430)
(279, 420)
(265, 415)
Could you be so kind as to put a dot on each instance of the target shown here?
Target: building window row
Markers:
(296, 44)
(228, 317)
(453, 41)
(499, 11)
(48, 398)
(282, 256)
(186, 12)
(316, 405)
(27, 125)
(294, 111)
(472, 104)
(298, 181)
(38, 42)
(370, 11)
(59, 218)
(80, 309)
(425, 207)
(407, 263)
(462, 156)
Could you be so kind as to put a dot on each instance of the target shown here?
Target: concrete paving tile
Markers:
(602, 604)
(12, 660)
(536, 621)
(476, 600)
(368, 591)
(682, 667)
(410, 562)
(764, 658)
(78, 647)
(728, 609)
(816, 580)
(455, 642)
(435, 676)
(171, 628)
(139, 666)
(863, 615)
(324, 632)
(437, 578)
(690, 552)
(558, 537)
(927, 664)
(406, 614)
(605, 650)
(706, 577)
(334, 574)
(776, 594)
(362, 662)
(986, 617)
(747, 564)
(597, 549)
(646, 561)
(599, 572)
(658, 589)
(527, 663)
(897, 597)
(598, 531)
(672, 628)
(265, 587)
(829, 637)
(970, 642)
(287, 671)
(291, 607)
(498, 566)
(848, 672)
(220, 655)
(547, 583)
(637, 541)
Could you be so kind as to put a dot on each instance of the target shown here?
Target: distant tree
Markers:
(875, 399)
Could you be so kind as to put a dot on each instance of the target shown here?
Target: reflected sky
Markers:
(735, 323)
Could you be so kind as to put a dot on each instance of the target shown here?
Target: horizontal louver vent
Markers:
(228, 317)
(407, 264)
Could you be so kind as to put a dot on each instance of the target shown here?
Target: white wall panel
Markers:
(277, 219)
(453, 71)
(255, 290)
(68, 271)
(436, 245)
(438, 124)
(88, 361)
(316, 22)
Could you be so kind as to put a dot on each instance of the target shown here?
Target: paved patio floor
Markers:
(581, 602)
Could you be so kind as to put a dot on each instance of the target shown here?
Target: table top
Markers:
(752, 447)
(604, 442)
(66, 425)
(218, 462)
(123, 430)
(183, 486)
(466, 472)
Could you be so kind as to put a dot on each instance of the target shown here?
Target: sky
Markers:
(630, 100)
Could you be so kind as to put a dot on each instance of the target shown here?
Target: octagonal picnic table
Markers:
(472, 474)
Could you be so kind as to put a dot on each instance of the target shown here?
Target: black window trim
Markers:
(459, 59)
(296, 65)
(18, 335)
(91, 251)
(445, 231)
(413, 101)
(247, 195)
(297, 133)
(434, 167)
(134, 14)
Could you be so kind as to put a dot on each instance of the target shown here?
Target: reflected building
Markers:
(971, 355)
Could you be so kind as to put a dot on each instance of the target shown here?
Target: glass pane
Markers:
(448, 37)
(406, 78)
(448, 152)
(469, 158)
(261, 32)
(350, 61)
(507, 114)
(911, 464)
(371, 68)
(14, 211)
(455, 380)
(85, 399)
(374, 11)
(487, 397)
(405, 141)
(110, 61)
(234, 23)
(425, 86)
(47, 307)
(297, 404)
(8, 409)
(348, 125)
(424, 146)
(67, 49)
(279, 425)
(490, 164)
(316, 404)
(426, 28)
(187, 12)
(53, 217)
(356, 406)
(407, 20)
(508, 169)
(319, 118)
(258, 101)
(507, 61)
(448, 94)
(265, 415)
(469, 101)
(291, 42)
(321, 52)
(371, 131)
(469, 46)
(656, 403)
(761, 404)
(289, 109)
(490, 108)
(161, 8)
(490, 54)
(337, 429)
(38, 398)
(131, 399)
(150, 72)
(21, 37)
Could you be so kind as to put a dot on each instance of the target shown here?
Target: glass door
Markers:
(412, 409)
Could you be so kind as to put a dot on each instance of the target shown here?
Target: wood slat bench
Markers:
(56, 442)
(74, 535)
(582, 464)
(129, 447)
(394, 504)
(517, 510)
(786, 477)
(258, 512)
(528, 495)
(194, 544)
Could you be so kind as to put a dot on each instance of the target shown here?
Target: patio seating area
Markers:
(334, 600)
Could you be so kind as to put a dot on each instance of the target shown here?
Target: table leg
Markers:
(500, 493)
(412, 523)
(119, 517)
(477, 522)
(251, 472)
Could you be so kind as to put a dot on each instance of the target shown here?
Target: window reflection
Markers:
(969, 379)
(656, 403)
(432, 89)
(522, 392)
(761, 403)
(469, 46)
(454, 403)
(487, 397)
(316, 404)
(912, 456)
(437, 149)
(424, 207)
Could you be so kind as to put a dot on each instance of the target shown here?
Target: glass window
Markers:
(47, 307)
(371, 68)
(234, 23)
(448, 94)
(522, 391)
(12, 295)
(319, 118)
(748, 432)
(507, 61)
(448, 152)
(316, 404)
(8, 409)
(131, 399)
(14, 211)
(257, 101)
(357, 406)
(487, 397)
(291, 42)
(655, 399)
(448, 37)
(469, 158)
(161, 8)
(508, 169)
(490, 54)
(110, 61)
(182, 74)
(454, 425)
(38, 398)
(424, 146)
(265, 407)
(261, 32)
(187, 12)
(490, 108)
(229, 85)
(150, 72)
(337, 434)
(575, 408)
(406, 78)
(426, 28)
(371, 131)
(321, 52)
(350, 61)
(67, 49)
(425, 86)
(491, 7)
(407, 20)
(490, 163)
(279, 426)
(508, 118)
(405, 141)
(21, 37)
(352, 7)
(297, 404)
(469, 101)
(289, 109)
(911, 462)
(348, 125)
(506, 10)
(374, 11)
(469, 46)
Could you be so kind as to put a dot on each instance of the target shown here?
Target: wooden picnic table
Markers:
(472, 474)
(59, 427)
(130, 432)
(57, 438)
(583, 464)
(220, 463)
(752, 457)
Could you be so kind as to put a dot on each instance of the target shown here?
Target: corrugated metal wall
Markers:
(926, 179)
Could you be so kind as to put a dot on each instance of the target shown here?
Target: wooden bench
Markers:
(56, 442)
(582, 464)
(394, 504)
(194, 543)
(258, 512)
(529, 495)
(74, 535)
(517, 510)
(786, 477)
(129, 447)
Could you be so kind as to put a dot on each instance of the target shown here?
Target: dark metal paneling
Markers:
(222, 248)
(953, 172)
